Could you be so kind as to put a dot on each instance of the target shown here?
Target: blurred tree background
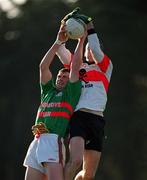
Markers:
(27, 29)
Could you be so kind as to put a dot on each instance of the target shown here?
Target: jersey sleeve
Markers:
(46, 87)
(74, 90)
(106, 66)
(94, 45)
(103, 61)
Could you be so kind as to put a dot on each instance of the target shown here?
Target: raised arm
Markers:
(77, 60)
(45, 73)
(101, 59)
(64, 55)
(94, 43)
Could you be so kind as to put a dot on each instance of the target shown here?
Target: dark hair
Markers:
(64, 70)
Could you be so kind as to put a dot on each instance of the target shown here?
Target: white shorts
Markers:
(47, 148)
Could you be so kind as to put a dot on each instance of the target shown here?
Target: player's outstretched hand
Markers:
(84, 18)
(70, 15)
(83, 37)
(62, 36)
(75, 14)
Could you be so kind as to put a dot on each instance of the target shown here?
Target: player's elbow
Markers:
(42, 66)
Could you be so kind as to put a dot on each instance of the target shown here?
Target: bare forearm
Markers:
(49, 56)
(64, 54)
(45, 74)
(78, 56)
(76, 62)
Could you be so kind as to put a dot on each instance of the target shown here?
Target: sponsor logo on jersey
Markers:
(87, 86)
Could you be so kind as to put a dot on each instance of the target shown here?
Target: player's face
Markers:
(62, 79)
(88, 54)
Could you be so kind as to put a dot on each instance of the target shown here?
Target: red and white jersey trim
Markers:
(95, 82)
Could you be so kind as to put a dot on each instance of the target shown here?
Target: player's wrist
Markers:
(90, 25)
(59, 42)
(91, 31)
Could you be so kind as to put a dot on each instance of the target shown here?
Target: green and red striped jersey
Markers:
(57, 107)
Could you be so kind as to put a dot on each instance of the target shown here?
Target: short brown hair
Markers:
(64, 70)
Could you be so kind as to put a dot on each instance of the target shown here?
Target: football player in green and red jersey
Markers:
(58, 101)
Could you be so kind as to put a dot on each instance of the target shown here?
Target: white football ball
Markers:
(75, 28)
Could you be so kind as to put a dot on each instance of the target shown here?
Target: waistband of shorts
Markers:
(99, 113)
(47, 134)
